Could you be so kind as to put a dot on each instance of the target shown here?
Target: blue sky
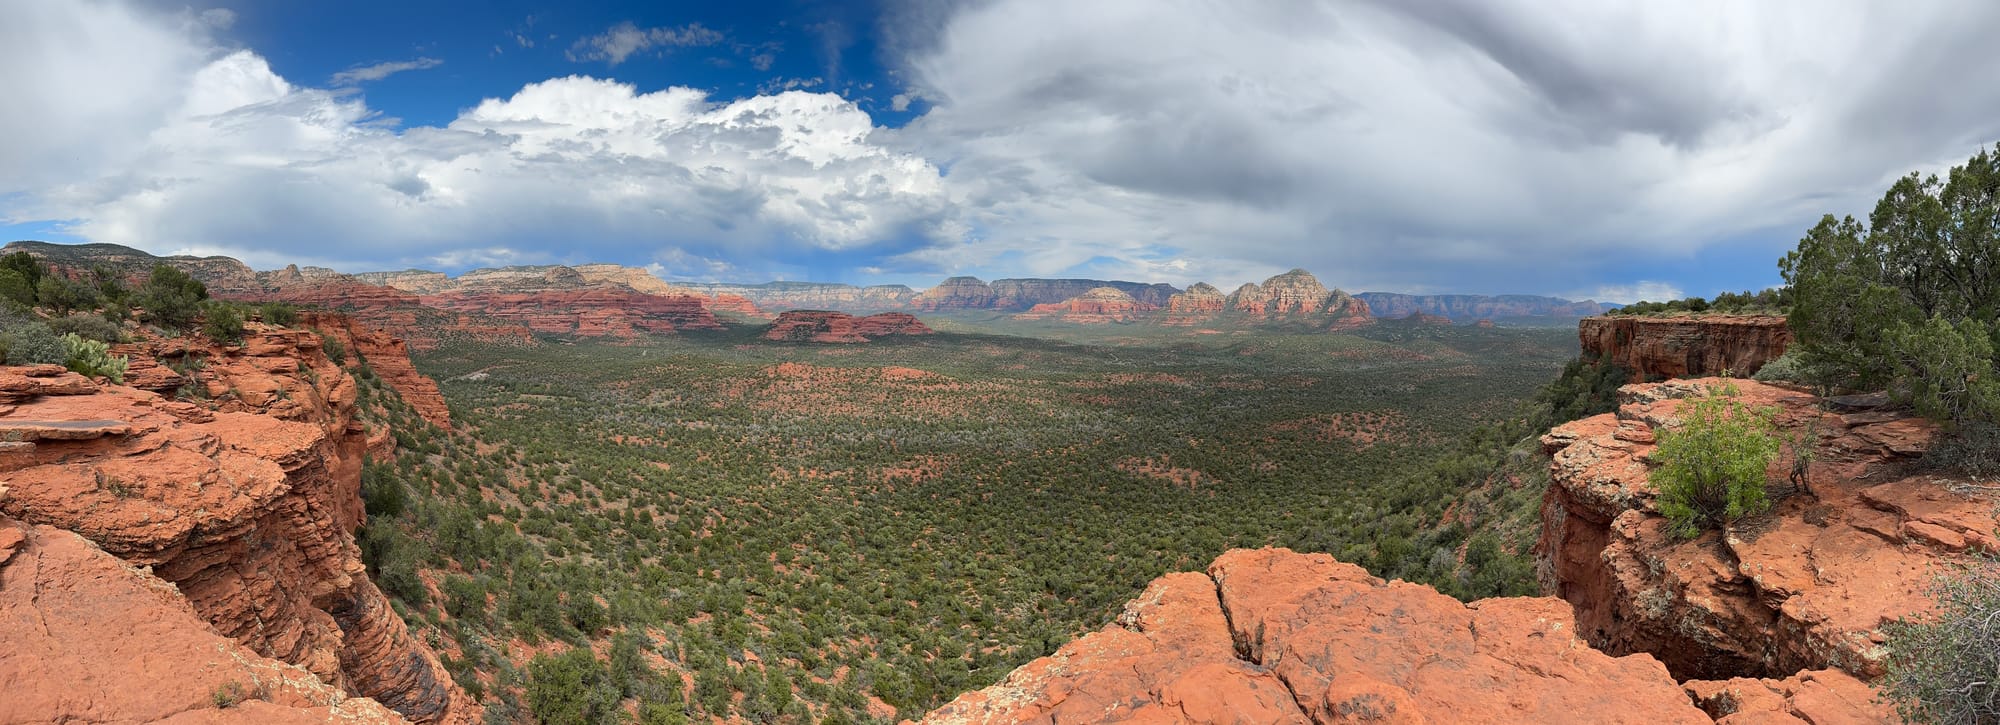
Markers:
(490, 49)
(1576, 148)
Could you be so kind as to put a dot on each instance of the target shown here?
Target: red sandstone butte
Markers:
(840, 327)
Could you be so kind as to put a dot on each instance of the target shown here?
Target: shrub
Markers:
(33, 343)
(1712, 467)
(1972, 449)
(1787, 368)
(1946, 370)
(88, 326)
(61, 295)
(1942, 665)
(93, 358)
(278, 313)
(571, 688)
(335, 350)
(222, 322)
(170, 298)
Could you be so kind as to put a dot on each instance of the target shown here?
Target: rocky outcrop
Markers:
(840, 327)
(591, 312)
(1467, 308)
(1298, 297)
(242, 498)
(1293, 293)
(1655, 348)
(1098, 306)
(90, 638)
(1808, 586)
(1342, 311)
(1200, 303)
(389, 357)
(956, 293)
(1272, 636)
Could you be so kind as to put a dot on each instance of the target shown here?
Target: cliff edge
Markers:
(239, 499)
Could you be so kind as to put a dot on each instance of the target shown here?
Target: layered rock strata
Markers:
(1656, 348)
(242, 498)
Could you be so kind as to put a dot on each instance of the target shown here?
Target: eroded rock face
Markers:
(1098, 306)
(840, 327)
(1293, 293)
(1200, 303)
(90, 638)
(956, 293)
(1296, 297)
(390, 359)
(1273, 636)
(242, 498)
(1655, 348)
(1807, 587)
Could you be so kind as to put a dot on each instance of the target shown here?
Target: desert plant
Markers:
(1942, 665)
(222, 322)
(1972, 449)
(1712, 467)
(88, 326)
(93, 358)
(33, 343)
(1785, 369)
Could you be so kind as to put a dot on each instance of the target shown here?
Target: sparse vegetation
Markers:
(1942, 664)
(855, 534)
(1772, 301)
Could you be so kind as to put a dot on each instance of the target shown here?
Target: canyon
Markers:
(224, 517)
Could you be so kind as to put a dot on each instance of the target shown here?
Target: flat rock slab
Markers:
(61, 430)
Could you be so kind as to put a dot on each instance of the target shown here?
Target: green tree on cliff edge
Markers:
(1908, 302)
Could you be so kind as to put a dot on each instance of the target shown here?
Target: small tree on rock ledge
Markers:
(1712, 468)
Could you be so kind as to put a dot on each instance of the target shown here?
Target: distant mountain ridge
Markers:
(1462, 308)
(495, 291)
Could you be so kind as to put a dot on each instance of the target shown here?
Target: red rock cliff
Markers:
(1654, 348)
(242, 499)
(1808, 586)
(389, 358)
